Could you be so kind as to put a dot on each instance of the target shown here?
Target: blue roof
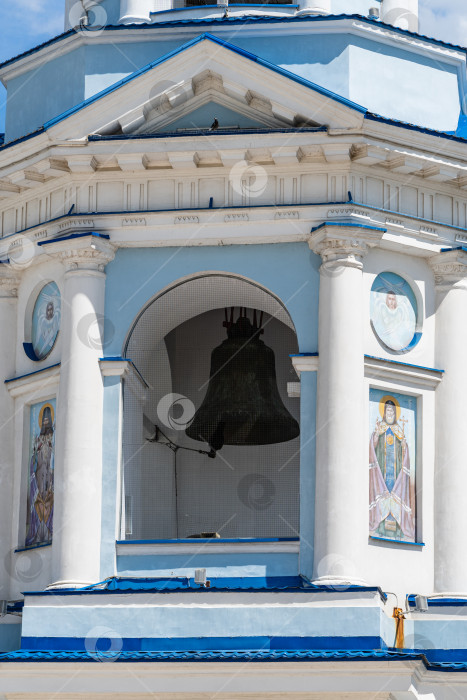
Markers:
(269, 655)
(232, 20)
(168, 584)
(225, 655)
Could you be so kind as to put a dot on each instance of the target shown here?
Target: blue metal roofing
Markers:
(227, 655)
(233, 20)
(24, 656)
(253, 584)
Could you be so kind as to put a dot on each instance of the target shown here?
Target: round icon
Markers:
(46, 320)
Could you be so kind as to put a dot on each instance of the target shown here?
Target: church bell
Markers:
(242, 405)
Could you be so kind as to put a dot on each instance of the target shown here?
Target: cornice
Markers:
(35, 383)
(234, 225)
(416, 376)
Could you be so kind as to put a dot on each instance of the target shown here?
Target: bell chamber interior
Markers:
(212, 446)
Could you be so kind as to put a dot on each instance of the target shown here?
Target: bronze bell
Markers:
(242, 405)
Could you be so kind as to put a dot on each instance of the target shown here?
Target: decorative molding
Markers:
(395, 371)
(429, 231)
(236, 217)
(347, 211)
(286, 215)
(397, 223)
(76, 223)
(135, 221)
(186, 220)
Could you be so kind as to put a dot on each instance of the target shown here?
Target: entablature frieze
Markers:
(221, 226)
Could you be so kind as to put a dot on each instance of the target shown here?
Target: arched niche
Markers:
(173, 492)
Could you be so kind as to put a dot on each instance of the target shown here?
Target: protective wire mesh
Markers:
(170, 492)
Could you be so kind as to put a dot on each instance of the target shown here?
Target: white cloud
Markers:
(444, 19)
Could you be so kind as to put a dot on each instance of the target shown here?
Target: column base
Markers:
(69, 584)
(340, 582)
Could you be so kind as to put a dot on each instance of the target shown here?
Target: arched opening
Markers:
(245, 484)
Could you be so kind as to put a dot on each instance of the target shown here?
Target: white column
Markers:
(341, 507)
(8, 285)
(78, 452)
(450, 513)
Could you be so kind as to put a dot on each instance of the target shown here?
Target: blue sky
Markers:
(27, 23)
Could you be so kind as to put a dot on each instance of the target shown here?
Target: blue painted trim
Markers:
(305, 354)
(405, 364)
(181, 49)
(386, 539)
(33, 546)
(30, 353)
(194, 644)
(233, 20)
(30, 374)
(72, 236)
(434, 602)
(450, 250)
(198, 540)
(343, 224)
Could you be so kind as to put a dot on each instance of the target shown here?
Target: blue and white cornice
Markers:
(225, 226)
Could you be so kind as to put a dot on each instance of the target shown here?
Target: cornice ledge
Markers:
(34, 383)
(305, 362)
(125, 369)
(344, 243)
(397, 371)
(450, 268)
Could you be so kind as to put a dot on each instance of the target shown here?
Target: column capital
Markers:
(450, 269)
(89, 252)
(344, 244)
(9, 282)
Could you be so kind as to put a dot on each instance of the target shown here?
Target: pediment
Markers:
(183, 90)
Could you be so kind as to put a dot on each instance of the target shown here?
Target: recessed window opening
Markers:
(211, 447)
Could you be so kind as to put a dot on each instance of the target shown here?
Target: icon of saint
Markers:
(41, 494)
(392, 509)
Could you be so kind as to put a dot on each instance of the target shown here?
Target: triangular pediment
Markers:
(204, 79)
